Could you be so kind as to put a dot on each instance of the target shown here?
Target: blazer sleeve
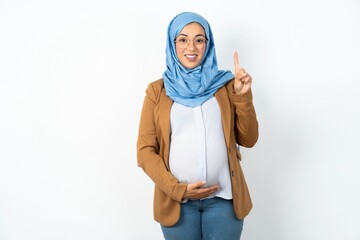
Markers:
(247, 128)
(148, 157)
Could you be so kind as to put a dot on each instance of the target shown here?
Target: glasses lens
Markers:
(182, 42)
(199, 42)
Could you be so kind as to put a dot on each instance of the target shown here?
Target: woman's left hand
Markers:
(243, 80)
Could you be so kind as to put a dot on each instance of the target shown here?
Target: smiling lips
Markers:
(191, 57)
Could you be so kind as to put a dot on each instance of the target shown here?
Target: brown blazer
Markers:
(239, 124)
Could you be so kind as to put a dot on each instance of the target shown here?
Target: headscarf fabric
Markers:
(192, 87)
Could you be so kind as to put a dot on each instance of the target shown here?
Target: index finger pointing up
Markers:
(236, 63)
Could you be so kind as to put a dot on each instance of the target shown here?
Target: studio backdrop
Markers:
(73, 75)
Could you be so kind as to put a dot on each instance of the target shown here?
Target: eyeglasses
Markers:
(183, 42)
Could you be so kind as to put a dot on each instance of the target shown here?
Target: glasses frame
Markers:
(176, 41)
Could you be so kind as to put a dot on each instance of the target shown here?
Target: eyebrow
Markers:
(182, 34)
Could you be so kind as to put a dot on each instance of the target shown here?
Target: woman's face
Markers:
(190, 45)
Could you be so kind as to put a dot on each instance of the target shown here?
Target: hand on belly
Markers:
(197, 191)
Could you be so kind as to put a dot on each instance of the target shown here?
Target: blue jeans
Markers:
(208, 219)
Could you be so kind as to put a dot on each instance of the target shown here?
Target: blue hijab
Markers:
(192, 87)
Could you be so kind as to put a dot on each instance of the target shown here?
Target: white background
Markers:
(73, 75)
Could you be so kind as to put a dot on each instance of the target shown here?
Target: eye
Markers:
(200, 40)
(182, 40)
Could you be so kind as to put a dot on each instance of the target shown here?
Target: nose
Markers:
(191, 44)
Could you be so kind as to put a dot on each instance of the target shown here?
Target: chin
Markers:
(191, 65)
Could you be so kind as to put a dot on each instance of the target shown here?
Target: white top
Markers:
(198, 150)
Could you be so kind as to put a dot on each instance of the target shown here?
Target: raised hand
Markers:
(196, 191)
(243, 80)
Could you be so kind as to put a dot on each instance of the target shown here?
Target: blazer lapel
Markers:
(164, 119)
(225, 108)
